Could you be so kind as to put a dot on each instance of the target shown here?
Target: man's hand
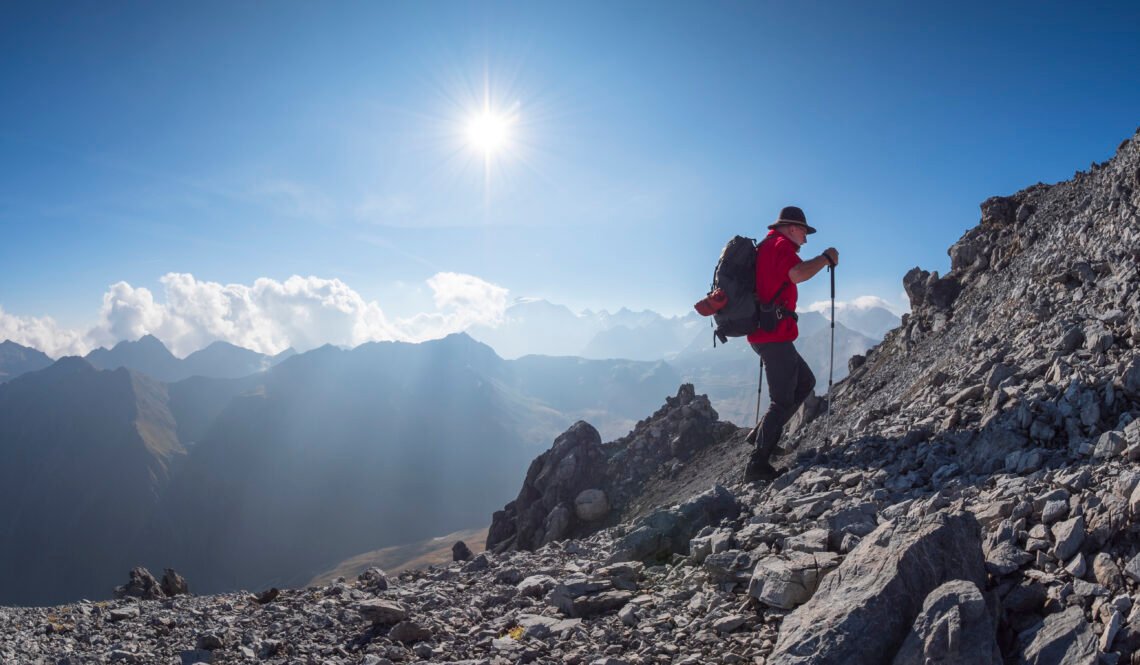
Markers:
(805, 270)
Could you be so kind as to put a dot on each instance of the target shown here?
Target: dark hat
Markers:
(792, 215)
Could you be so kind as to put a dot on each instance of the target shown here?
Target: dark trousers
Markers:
(790, 381)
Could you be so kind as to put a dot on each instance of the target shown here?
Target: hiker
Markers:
(778, 270)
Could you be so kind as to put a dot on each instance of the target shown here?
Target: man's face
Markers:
(796, 234)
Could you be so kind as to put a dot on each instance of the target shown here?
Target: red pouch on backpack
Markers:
(712, 303)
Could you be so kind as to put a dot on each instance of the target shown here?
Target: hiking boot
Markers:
(760, 471)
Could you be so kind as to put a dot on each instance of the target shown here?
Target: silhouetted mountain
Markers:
(84, 455)
(151, 357)
(147, 355)
(16, 360)
(226, 361)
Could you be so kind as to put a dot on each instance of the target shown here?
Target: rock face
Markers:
(542, 512)
(955, 627)
(1064, 638)
(865, 608)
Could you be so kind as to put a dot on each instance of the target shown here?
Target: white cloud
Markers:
(42, 333)
(859, 303)
(267, 316)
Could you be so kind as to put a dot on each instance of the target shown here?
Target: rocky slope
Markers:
(971, 498)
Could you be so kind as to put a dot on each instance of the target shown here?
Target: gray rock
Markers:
(788, 582)
(732, 566)
(1106, 572)
(409, 631)
(1064, 638)
(557, 524)
(536, 586)
(1109, 445)
(124, 613)
(210, 641)
(1132, 568)
(955, 627)
(599, 603)
(380, 611)
(373, 579)
(1068, 535)
(591, 505)
(866, 607)
(729, 623)
(813, 540)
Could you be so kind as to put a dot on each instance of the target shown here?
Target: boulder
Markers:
(141, 585)
(409, 631)
(864, 610)
(461, 552)
(1068, 535)
(788, 582)
(591, 505)
(174, 584)
(955, 627)
(1064, 638)
(382, 612)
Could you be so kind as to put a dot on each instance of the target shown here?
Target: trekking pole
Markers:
(831, 367)
(759, 388)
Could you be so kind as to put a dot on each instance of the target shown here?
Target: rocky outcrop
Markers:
(543, 511)
(581, 485)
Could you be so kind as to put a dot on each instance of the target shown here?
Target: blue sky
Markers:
(244, 141)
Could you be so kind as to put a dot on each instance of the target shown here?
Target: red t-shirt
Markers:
(775, 256)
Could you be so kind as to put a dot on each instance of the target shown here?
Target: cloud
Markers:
(42, 333)
(268, 316)
(859, 303)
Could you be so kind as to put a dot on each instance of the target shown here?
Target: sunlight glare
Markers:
(489, 132)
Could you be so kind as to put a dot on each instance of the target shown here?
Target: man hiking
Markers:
(778, 270)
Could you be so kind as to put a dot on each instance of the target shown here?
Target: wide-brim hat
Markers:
(792, 215)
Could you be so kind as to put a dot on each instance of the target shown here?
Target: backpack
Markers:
(732, 300)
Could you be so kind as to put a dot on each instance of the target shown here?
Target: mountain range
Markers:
(151, 357)
(355, 449)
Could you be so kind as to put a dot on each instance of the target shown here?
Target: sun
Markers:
(489, 132)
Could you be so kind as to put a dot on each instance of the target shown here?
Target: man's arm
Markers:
(805, 270)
